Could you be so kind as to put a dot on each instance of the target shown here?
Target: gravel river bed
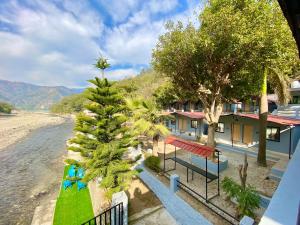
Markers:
(31, 171)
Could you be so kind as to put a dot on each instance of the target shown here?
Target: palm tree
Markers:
(102, 64)
(280, 83)
(147, 120)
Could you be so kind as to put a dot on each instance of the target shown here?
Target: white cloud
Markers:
(56, 43)
(117, 74)
(51, 46)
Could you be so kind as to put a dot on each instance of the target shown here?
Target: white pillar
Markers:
(116, 199)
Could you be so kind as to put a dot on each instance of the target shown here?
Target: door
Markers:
(182, 124)
(247, 107)
(248, 134)
(236, 133)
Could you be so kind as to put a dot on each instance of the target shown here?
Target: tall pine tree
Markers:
(102, 137)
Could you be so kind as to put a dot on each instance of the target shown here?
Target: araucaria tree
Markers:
(102, 137)
(207, 62)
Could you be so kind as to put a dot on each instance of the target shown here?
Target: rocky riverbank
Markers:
(15, 127)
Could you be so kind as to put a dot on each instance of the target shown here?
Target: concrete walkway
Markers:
(182, 212)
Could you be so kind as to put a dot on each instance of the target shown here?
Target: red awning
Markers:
(192, 115)
(272, 118)
(192, 147)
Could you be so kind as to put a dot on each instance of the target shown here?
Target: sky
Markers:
(57, 42)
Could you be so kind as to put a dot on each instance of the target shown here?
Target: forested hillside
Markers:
(142, 85)
(32, 97)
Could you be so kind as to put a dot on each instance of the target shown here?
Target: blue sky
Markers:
(56, 42)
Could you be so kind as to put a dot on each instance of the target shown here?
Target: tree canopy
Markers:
(208, 62)
(6, 107)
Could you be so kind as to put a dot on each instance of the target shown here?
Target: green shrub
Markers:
(139, 170)
(153, 163)
(6, 107)
(247, 199)
(230, 187)
(138, 157)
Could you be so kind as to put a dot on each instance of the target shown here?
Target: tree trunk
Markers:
(243, 172)
(102, 73)
(211, 135)
(263, 116)
(155, 145)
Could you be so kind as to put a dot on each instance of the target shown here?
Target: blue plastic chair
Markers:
(80, 185)
(67, 183)
(72, 167)
(72, 172)
(80, 173)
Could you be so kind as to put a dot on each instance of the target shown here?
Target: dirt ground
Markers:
(140, 197)
(257, 177)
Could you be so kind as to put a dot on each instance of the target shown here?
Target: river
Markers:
(31, 172)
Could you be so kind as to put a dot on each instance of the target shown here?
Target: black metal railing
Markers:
(216, 209)
(111, 216)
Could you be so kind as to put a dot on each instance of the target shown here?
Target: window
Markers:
(273, 133)
(173, 122)
(194, 123)
(220, 128)
(167, 123)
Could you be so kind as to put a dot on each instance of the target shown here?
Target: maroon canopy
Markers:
(192, 147)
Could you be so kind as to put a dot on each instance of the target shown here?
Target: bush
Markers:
(230, 187)
(5, 107)
(248, 199)
(139, 170)
(153, 163)
(138, 157)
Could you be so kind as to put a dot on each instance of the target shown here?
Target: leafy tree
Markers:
(102, 137)
(168, 94)
(208, 62)
(274, 55)
(6, 107)
(147, 120)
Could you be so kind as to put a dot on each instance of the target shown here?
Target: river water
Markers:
(31, 172)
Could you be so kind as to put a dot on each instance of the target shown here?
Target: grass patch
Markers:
(73, 207)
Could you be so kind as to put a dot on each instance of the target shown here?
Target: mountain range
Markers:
(33, 97)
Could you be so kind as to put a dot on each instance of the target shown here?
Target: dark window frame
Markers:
(218, 130)
(196, 124)
(273, 127)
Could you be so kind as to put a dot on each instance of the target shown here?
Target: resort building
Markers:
(239, 130)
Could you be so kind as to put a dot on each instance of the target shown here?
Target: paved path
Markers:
(182, 212)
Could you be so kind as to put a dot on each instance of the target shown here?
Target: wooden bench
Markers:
(194, 168)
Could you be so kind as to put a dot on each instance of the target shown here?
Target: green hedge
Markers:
(153, 163)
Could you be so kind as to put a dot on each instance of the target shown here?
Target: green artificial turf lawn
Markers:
(73, 207)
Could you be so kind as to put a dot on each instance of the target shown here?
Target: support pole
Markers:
(218, 172)
(232, 134)
(187, 174)
(175, 158)
(290, 146)
(206, 179)
(164, 156)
